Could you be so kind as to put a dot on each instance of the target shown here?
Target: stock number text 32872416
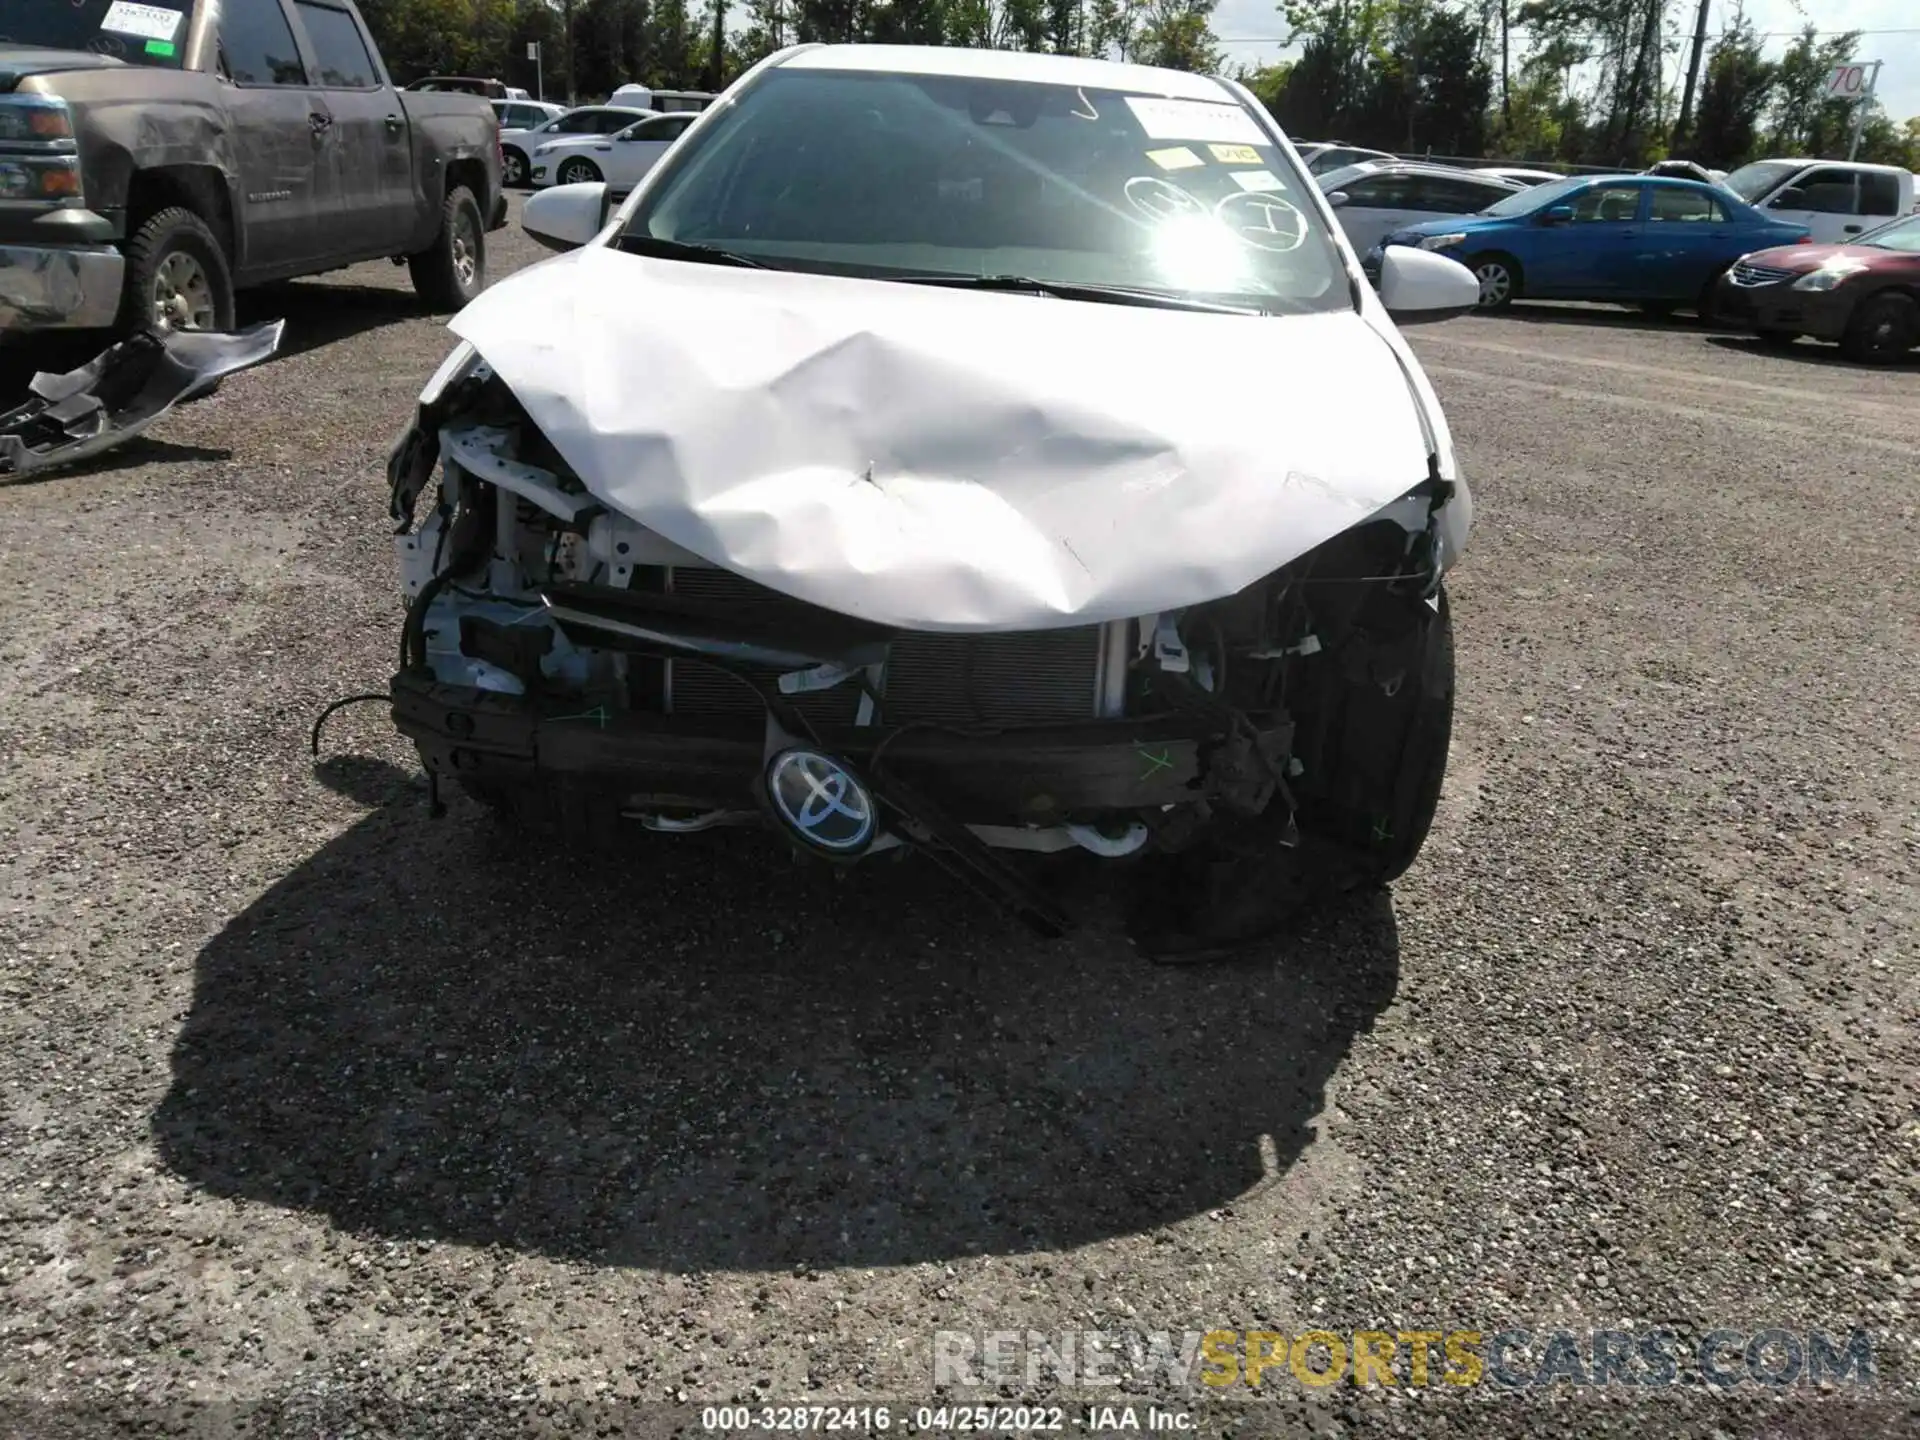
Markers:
(921, 1419)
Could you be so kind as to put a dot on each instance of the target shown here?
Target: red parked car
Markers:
(1865, 294)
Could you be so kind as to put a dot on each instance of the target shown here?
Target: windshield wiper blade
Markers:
(687, 250)
(1078, 290)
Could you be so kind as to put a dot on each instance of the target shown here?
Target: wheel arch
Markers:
(203, 189)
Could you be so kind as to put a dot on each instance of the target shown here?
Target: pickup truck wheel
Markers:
(454, 270)
(177, 277)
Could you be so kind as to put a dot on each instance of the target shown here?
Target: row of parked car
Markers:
(543, 144)
(1788, 247)
(1666, 240)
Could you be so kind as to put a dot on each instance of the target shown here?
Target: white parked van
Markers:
(1835, 199)
(671, 102)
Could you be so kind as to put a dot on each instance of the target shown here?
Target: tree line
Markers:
(1594, 82)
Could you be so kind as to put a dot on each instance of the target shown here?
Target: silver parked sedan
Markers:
(1373, 200)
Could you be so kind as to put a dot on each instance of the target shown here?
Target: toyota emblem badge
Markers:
(821, 802)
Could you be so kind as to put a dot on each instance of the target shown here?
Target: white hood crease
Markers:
(946, 460)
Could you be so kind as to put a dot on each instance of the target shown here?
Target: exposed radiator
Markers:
(1033, 678)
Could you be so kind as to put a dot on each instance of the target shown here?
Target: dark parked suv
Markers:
(155, 159)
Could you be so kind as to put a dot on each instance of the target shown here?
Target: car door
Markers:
(1376, 206)
(638, 148)
(1465, 195)
(1591, 254)
(1825, 199)
(280, 124)
(369, 142)
(1683, 243)
(1879, 202)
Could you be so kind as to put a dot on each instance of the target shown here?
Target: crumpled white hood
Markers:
(949, 460)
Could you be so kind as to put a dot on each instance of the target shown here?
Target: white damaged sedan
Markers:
(976, 452)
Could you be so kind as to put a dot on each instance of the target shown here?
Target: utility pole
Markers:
(1506, 101)
(1642, 87)
(1693, 73)
(1861, 106)
(717, 57)
(567, 20)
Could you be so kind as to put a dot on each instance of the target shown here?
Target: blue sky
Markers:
(1899, 90)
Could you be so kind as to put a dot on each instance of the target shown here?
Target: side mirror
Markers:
(1792, 198)
(1418, 286)
(1338, 198)
(567, 216)
(1557, 215)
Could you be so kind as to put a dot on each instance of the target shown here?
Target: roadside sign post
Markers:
(539, 79)
(1854, 81)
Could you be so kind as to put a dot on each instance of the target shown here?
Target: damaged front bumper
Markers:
(1103, 786)
(121, 392)
(581, 673)
(59, 287)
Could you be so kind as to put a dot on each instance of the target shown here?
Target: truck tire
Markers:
(453, 270)
(177, 277)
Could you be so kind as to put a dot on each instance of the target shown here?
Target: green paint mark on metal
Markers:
(1155, 763)
(163, 48)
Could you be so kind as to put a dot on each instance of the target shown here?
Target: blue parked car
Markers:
(1632, 239)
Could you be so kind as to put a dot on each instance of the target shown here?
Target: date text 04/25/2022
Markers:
(959, 1419)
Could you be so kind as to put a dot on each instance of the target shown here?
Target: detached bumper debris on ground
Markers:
(120, 392)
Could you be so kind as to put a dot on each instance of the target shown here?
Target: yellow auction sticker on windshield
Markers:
(1235, 154)
(1179, 157)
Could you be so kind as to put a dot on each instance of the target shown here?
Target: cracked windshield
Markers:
(940, 177)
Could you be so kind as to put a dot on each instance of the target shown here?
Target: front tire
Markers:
(450, 274)
(513, 168)
(577, 171)
(1376, 762)
(177, 277)
(1499, 277)
(1883, 328)
(1388, 756)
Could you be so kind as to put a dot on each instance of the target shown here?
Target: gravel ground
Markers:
(308, 1101)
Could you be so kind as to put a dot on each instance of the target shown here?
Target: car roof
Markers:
(1682, 182)
(1841, 164)
(1010, 65)
(1409, 167)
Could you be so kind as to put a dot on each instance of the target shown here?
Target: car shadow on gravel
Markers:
(1549, 312)
(131, 455)
(705, 1056)
(318, 313)
(1812, 352)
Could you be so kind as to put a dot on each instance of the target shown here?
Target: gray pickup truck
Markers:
(157, 157)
